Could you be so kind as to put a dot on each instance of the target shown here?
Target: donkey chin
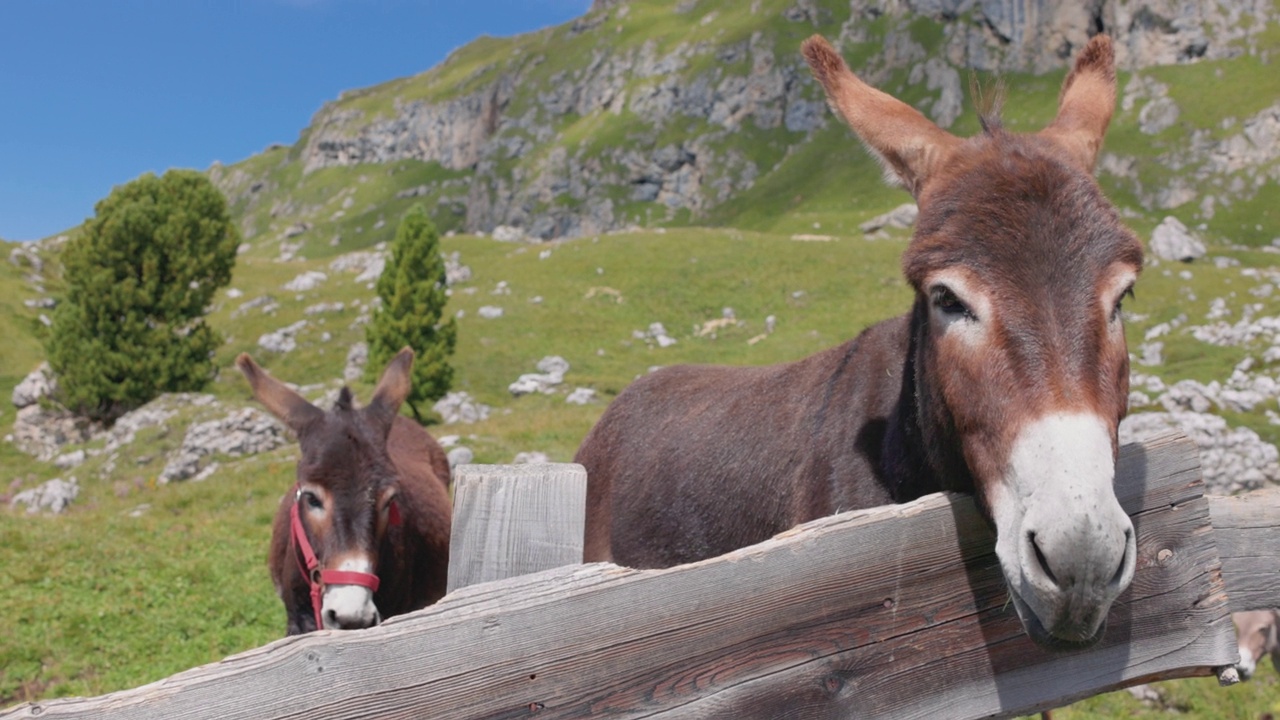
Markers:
(1066, 547)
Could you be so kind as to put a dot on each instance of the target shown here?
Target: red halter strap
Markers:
(310, 565)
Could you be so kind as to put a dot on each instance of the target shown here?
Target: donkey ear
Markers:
(906, 142)
(1086, 104)
(276, 397)
(395, 383)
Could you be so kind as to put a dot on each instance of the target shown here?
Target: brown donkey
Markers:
(364, 534)
(1007, 379)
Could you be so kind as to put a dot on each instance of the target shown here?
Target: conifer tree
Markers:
(412, 288)
(139, 277)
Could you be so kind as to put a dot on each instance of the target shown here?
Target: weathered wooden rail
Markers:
(897, 612)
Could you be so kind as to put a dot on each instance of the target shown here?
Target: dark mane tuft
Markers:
(989, 102)
(344, 399)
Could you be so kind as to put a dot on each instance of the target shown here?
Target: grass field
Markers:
(140, 580)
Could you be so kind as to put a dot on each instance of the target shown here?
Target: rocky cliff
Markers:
(656, 112)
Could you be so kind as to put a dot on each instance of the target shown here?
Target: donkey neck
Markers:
(920, 451)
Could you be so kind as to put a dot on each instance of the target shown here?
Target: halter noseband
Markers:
(309, 565)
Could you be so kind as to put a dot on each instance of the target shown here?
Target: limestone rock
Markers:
(460, 456)
(460, 407)
(552, 369)
(43, 432)
(581, 396)
(247, 431)
(37, 384)
(1233, 460)
(282, 340)
(901, 217)
(1171, 240)
(53, 496)
(308, 280)
(357, 358)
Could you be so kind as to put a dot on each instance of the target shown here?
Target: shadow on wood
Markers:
(895, 612)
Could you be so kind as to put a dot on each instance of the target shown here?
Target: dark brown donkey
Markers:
(372, 501)
(1007, 378)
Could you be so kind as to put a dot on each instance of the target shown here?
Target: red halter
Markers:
(317, 578)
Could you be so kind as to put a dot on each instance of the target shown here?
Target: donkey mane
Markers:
(344, 401)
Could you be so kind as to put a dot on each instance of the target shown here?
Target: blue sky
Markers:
(93, 93)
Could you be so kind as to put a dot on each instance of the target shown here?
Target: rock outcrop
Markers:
(244, 432)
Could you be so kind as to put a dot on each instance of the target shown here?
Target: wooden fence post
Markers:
(511, 520)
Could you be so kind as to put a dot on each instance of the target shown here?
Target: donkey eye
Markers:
(313, 501)
(1115, 312)
(945, 300)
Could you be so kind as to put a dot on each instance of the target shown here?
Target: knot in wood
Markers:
(1163, 556)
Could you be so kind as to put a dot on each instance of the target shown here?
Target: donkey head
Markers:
(346, 481)
(1019, 266)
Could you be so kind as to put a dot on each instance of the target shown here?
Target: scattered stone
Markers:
(267, 303)
(368, 264)
(37, 384)
(282, 340)
(1233, 460)
(460, 407)
(502, 288)
(1171, 240)
(244, 432)
(454, 271)
(308, 280)
(25, 256)
(357, 358)
(508, 233)
(66, 461)
(1151, 353)
(1158, 115)
(581, 396)
(53, 496)
(43, 432)
(1146, 695)
(655, 334)
(234, 293)
(44, 303)
(153, 414)
(490, 312)
(551, 373)
(461, 456)
(901, 217)
(297, 229)
(530, 458)
(324, 307)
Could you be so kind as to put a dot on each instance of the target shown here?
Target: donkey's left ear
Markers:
(1086, 104)
(394, 385)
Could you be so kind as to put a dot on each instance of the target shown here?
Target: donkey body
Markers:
(372, 500)
(1007, 379)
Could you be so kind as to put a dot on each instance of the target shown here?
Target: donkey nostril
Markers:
(1041, 560)
(331, 616)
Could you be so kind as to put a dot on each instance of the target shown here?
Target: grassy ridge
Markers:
(105, 600)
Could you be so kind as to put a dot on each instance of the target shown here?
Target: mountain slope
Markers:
(701, 111)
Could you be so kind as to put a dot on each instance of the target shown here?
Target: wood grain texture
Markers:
(1247, 529)
(511, 520)
(895, 612)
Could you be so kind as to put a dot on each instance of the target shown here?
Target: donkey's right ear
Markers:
(909, 144)
(292, 409)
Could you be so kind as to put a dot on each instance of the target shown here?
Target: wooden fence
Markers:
(896, 612)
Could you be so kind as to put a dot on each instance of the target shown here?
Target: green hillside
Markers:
(141, 579)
